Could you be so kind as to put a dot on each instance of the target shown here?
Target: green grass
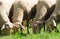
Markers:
(42, 35)
(34, 36)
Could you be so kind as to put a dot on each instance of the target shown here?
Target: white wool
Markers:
(29, 3)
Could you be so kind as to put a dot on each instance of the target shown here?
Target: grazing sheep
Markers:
(44, 10)
(24, 10)
(5, 6)
(54, 19)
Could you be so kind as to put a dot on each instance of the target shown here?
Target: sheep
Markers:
(54, 19)
(5, 6)
(23, 10)
(43, 13)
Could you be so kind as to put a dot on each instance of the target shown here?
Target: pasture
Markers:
(20, 13)
(42, 35)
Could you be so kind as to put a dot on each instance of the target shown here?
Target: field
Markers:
(42, 35)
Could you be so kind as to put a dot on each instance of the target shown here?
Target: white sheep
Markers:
(21, 8)
(5, 6)
(44, 9)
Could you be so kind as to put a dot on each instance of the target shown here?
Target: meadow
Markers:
(42, 35)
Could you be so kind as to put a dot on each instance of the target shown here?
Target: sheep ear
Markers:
(3, 26)
(54, 23)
